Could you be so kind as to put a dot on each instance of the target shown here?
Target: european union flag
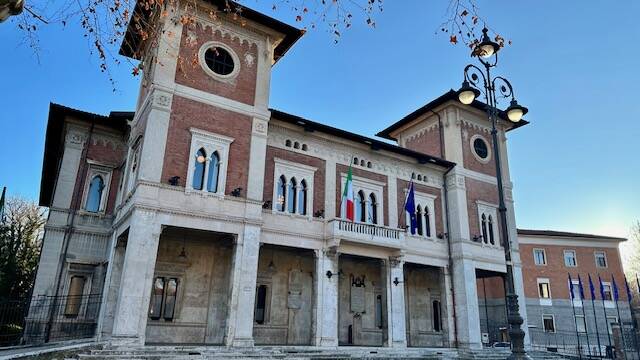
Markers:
(592, 288)
(616, 295)
(581, 288)
(410, 207)
(571, 287)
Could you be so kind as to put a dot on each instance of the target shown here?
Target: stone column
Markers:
(130, 318)
(326, 325)
(397, 323)
(243, 288)
(463, 273)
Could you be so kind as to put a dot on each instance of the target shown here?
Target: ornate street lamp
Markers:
(472, 86)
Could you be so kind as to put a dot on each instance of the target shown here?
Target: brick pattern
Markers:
(106, 153)
(427, 143)
(318, 178)
(340, 169)
(478, 190)
(186, 114)
(190, 73)
(557, 272)
(470, 161)
(439, 213)
(494, 287)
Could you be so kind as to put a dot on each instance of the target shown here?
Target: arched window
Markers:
(198, 169)
(287, 143)
(369, 164)
(419, 177)
(305, 147)
(291, 202)
(94, 196)
(360, 207)
(419, 217)
(427, 222)
(355, 161)
(372, 209)
(302, 198)
(361, 162)
(214, 170)
(485, 239)
(282, 193)
(296, 145)
(491, 239)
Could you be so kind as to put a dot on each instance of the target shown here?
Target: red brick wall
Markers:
(479, 190)
(494, 286)
(318, 178)
(470, 162)
(190, 73)
(106, 153)
(185, 114)
(557, 273)
(427, 143)
(439, 213)
(367, 175)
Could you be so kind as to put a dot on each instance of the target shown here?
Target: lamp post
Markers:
(477, 81)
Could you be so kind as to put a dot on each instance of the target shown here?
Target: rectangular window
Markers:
(570, 258)
(539, 257)
(170, 298)
(606, 289)
(548, 323)
(157, 293)
(544, 289)
(261, 304)
(163, 298)
(611, 320)
(437, 316)
(601, 259)
(74, 297)
(581, 324)
(379, 311)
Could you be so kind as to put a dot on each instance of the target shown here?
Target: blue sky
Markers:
(575, 168)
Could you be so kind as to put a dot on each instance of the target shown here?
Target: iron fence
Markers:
(584, 345)
(44, 319)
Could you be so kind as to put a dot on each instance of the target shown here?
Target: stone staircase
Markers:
(295, 353)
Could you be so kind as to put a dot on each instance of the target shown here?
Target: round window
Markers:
(480, 147)
(219, 60)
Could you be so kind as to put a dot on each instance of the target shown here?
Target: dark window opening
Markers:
(427, 222)
(437, 316)
(163, 298)
(261, 304)
(156, 298)
(170, 299)
(491, 239)
(379, 311)
(480, 147)
(198, 169)
(219, 60)
(485, 239)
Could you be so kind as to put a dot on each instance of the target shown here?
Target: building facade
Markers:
(205, 217)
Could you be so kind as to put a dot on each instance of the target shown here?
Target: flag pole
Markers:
(604, 311)
(584, 316)
(595, 318)
(615, 298)
(575, 321)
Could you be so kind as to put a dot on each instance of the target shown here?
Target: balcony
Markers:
(369, 234)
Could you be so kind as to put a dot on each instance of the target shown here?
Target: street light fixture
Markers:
(477, 81)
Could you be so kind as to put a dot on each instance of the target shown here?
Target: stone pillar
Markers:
(330, 190)
(130, 318)
(243, 285)
(326, 325)
(449, 319)
(463, 273)
(618, 341)
(395, 283)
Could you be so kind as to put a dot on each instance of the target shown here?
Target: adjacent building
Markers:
(206, 217)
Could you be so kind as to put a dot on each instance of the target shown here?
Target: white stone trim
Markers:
(236, 61)
(491, 210)
(211, 143)
(544, 301)
(544, 252)
(473, 150)
(298, 171)
(105, 172)
(428, 200)
(569, 242)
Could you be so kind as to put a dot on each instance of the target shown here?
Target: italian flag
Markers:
(347, 196)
